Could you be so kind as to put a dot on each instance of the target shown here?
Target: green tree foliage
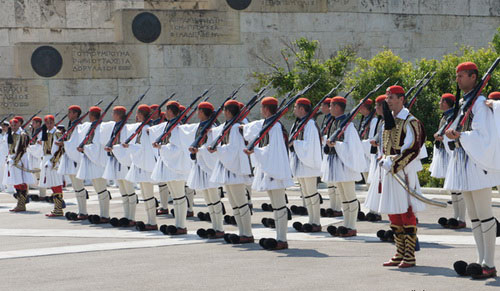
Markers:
(302, 67)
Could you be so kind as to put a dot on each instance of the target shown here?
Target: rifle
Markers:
(466, 108)
(311, 114)
(414, 97)
(365, 125)
(204, 130)
(345, 123)
(416, 85)
(115, 135)
(176, 121)
(29, 120)
(242, 115)
(96, 123)
(6, 117)
(139, 129)
(187, 118)
(75, 123)
(276, 117)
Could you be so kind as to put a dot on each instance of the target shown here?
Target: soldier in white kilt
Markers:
(372, 201)
(203, 166)
(402, 141)
(35, 153)
(305, 163)
(172, 166)
(272, 169)
(494, 103)
(232, 170)
(440, 161)
(343, 166)
(70, 160)
(91, 166)
(118, 163)
(474, 170)
(142, 156)
(18, 171)
(49, 178)
(4, 151)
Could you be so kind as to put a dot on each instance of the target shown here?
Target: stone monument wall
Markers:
(54, 53)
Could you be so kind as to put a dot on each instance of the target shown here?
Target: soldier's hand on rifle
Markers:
(193, 150)
(373, 143)
(79, 149)
(438, 137)
(108, 149)
(39, 142)
(330, 143)
(125, 145)
(156, 145)
(59, 143)
(489, 103)
(248, 152)
(212, 150)
(452, 134)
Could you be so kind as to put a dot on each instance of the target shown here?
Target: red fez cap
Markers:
(448, 96)
(466, 66)
(241, 105)
(232, 102)
(120, 108)
(14, 120)
(182, 107)
(174, 103)
(75, 108)
(380, 98)
(36, 118)
(327, 101)
(368, 102)
(303, 101)
(396, 89)
(162, 114)
(206, 105)
(144, 107)
(19, 118)
(154, 106)
(494, 96)
(95, 109)
(339, 99)
(47, 117)
(269, 101)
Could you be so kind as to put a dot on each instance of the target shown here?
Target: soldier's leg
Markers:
(132, 199)
(147, 193)
(334, 196)
(81, 195)
(103, 195)
(21, 196)
(280, 213)
(350, 205)
(180, 202)
(314, 199)
(124, 194)
(217, 216)
(57, 196)
(475, 225)
(164, 195)
(482, 203)
(241, 203)
(190, 197)
(235, 208)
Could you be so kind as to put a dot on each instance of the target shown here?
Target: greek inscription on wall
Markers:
(22, 96)
(288, 6)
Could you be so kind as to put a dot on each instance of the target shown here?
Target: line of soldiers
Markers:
(204, 156)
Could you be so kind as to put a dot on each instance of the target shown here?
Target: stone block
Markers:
(403, 6)
(53, 13)
(7, 13)
(285, 6)
(183, 27)
(78, 14)
(86, 61)
(22, 97)
(102, 14)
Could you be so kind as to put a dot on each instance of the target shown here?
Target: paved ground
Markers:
(37, 253)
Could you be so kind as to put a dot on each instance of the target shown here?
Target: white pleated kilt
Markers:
(67, 166)
(263, 182)
(464, 175)
(199, 179)
(394, 198)
(88, 170)
(372, 176)
(34, 161)
(162, 174)
(138, 175)
(299, 170)
(48, 175)
(222, 176)
(334, 170)
(372, 201)
(15, 176)
(440, 162)
(114, 170)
